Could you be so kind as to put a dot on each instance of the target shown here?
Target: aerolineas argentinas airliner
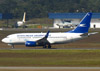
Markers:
(46, 39)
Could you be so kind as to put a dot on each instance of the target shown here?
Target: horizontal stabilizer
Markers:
(93, 33)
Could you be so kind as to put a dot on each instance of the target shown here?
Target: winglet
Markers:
(46, 36)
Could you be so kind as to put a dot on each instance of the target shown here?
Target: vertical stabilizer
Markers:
(24, 16)
(84, 25)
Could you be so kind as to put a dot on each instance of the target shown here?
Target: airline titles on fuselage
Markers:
(38, 36)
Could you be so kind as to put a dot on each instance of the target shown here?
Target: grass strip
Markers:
(42, 58)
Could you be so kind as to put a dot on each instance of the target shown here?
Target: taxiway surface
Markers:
(50, 49)
(50, 68)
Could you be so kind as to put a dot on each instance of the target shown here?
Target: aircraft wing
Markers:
(41, 42)
(44, 40)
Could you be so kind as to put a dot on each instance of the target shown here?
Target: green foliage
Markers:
(41, 8)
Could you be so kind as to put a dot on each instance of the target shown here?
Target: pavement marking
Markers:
(50, 49)
(49, 67)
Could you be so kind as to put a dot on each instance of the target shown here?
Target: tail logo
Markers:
(82, 25)
(88, 14)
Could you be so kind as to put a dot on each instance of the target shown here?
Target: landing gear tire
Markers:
(49, 46)
(44, 46)
(12, 46)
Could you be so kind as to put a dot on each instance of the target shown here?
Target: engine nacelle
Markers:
(31, 43)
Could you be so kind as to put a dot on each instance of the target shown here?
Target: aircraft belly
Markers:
(56, 40)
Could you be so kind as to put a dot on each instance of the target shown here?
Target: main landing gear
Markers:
(47, 45)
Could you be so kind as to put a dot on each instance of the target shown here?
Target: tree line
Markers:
(41, 8)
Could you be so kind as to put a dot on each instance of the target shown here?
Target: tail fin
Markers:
(24, 16)
(84, 25)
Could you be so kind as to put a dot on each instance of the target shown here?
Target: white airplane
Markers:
(64, 24)
(21, 23)
(46, 39)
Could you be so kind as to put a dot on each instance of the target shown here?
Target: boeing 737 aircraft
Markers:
(46, 39)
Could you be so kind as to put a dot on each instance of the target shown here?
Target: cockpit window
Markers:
(7, 37)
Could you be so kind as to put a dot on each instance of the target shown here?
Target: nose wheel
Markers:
(12, 46)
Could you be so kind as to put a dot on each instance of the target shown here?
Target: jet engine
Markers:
(31, 43)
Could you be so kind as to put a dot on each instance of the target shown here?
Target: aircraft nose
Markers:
(4, 40)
